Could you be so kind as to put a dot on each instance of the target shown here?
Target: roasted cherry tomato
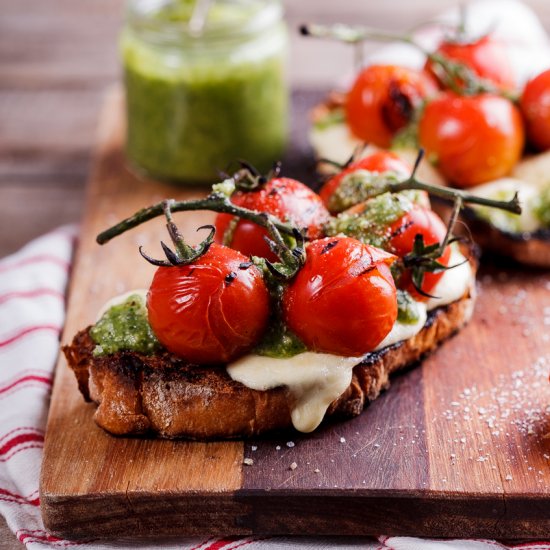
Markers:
(287, 199)
(419, 221)
(535, 106)
(399, 237)
(380, 162)
(383, 99)
(472, 139)
(486, 57)
(343, 301)
(210, 311)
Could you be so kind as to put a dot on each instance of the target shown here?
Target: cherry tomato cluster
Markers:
(342, 300)
(462, 106)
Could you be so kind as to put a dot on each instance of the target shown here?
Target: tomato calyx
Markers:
(292, 258)
(461, 79)
(183, 253)
(248, 178)
(424, 259)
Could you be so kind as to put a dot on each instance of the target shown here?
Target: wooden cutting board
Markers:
(457, 447)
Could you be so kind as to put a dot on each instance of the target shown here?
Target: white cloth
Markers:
(32, 300)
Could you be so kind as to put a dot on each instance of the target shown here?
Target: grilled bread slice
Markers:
(164, 396)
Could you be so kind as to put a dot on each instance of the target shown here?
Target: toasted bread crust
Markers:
(531, 249)
(164, 396)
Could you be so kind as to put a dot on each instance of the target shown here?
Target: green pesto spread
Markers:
(194, 105)
(361, 185)
(124, 327)
(280, 342)
(372, 224)
(407, 308)
(542, 207)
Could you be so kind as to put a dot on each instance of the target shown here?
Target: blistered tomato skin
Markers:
(535, 106)
(343, 301)
(472, 139)
(287, 199)
(425, 222)
(486, 57)
(383, 99)
(380, 162)
(211, 311)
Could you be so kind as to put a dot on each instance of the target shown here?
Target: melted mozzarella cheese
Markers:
(504, 189)
(454, 283)
(314, 380)
(120, 299)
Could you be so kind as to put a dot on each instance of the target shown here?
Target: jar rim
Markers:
(146, 16)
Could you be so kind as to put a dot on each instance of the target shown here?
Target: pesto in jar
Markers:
(197, 103)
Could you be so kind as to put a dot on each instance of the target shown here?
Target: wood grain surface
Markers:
(455, 448)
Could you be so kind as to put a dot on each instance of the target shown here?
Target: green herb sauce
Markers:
(371, 224)
(407, 308)
(542, 207)
(124, 327)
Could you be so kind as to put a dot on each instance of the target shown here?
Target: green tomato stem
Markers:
(456, 76)
(215, 202)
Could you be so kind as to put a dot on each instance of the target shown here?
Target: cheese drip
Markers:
(314, 380)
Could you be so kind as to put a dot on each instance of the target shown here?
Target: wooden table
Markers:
(58, 57)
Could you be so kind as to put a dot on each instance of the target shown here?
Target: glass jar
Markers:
(196, 102)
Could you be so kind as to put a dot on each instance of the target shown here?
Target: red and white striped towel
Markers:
(32, 310)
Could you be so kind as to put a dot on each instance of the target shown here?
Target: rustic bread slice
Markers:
(164, 396)
(529, 248)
